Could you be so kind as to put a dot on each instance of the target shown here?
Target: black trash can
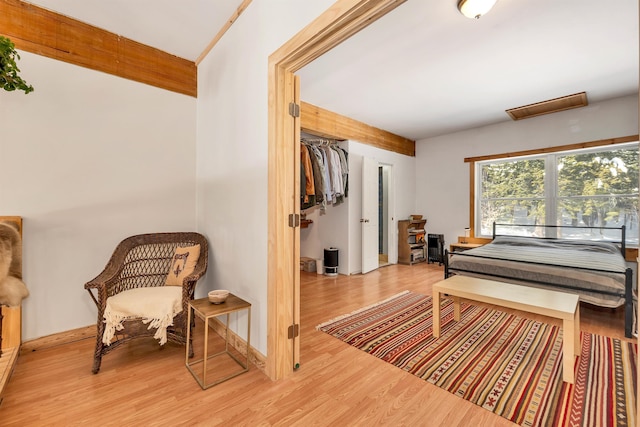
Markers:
(331, 262)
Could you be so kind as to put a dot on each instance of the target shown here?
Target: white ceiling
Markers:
(424, 69)
(183, 28)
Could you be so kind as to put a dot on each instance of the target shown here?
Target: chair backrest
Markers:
(144, 260)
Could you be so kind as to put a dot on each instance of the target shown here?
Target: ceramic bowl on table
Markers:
(218, 296)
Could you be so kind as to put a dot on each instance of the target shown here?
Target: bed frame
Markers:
(627, 295)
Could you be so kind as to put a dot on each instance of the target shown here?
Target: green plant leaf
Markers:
(9, 78)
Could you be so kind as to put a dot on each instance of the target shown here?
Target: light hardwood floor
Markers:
(337, 385)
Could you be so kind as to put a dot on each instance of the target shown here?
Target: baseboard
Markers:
(60, 338)
(89, 332)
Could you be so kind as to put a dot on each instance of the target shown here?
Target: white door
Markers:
(369, 219)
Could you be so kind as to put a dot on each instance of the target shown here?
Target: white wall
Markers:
(442, 176)
(232, 142)
(87, 160)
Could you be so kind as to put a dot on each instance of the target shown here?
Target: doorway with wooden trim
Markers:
(338, 23)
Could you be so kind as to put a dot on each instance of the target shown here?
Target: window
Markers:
(594, 187)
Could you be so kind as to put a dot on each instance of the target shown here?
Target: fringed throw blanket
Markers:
(507, 364)
(156, 306)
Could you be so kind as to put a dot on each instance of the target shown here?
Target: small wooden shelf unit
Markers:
(412, 241)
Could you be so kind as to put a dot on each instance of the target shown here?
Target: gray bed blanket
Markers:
(580, 266)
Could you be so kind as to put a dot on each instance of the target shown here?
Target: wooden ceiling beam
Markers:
(328, 124)
(223, 30)
(43, 32)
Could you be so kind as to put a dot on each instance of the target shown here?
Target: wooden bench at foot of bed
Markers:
(554, 304)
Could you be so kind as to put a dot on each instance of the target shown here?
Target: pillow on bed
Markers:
(587, 245)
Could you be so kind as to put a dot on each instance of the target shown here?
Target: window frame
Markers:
(572, 148)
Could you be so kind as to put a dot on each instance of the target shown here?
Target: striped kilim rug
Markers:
(507, 364)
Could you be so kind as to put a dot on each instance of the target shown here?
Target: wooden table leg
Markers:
(456, 307)
(436, 313)
(576, 324)
(568, 346)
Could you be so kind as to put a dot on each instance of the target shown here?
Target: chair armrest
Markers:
(191, 280)
(108, 276)
(102, 283)
(111, 271)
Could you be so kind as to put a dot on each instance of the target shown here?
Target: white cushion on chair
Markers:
(154, 305)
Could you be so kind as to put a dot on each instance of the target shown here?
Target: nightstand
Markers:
(459, 247)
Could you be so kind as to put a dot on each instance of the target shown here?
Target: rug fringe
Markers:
(360, 310)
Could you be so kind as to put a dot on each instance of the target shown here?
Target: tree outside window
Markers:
(589, 188)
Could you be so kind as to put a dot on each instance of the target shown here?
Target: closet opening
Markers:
(324, 203)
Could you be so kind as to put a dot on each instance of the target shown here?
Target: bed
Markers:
(594, 269)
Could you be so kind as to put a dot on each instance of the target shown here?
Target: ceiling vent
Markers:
(551, 106)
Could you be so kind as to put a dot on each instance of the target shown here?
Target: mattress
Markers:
(593, 270)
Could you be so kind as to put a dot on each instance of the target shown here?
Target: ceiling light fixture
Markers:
(475, 8)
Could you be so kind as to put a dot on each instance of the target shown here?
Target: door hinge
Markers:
(294, 220)
(294, 331)
(294, 109)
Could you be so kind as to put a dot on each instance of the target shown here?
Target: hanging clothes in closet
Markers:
(324, 173)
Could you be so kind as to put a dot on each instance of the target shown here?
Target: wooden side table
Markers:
(459, 247)
(205, 310)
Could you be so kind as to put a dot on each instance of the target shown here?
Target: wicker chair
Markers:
(144, 261)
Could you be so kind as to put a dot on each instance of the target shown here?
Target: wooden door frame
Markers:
(343, 19)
